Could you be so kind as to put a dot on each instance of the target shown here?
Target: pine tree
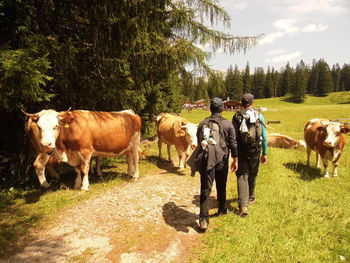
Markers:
(275, 81)
(313, 79)
(298, 88)
(229, 82)
(259, 82)
(345, 77)
(247, 81)
(336, 77)
(268, 87)
(324, 82)
(286, 80)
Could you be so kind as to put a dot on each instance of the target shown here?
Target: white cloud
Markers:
(240, 6)
(314, 28)
(275, 52)
(284, 24)
(234, 4)
(303, 7)
(271, 37)
(284, 57)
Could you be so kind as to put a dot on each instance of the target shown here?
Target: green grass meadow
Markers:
(299, 216)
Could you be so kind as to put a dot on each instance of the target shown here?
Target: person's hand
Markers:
(234, 164)
(263, 159)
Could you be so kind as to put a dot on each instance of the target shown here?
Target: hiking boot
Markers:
(203, 225)
(242, 212)
(221, 212)
(251, 201)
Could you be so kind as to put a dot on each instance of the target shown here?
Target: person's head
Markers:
(247, 100)
(216, 105)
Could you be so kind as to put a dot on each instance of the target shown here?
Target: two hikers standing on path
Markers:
(244, 138)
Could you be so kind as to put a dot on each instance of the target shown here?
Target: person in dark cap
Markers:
(216, 139)
(252, 149)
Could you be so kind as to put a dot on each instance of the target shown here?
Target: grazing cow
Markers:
(282, 141)
(175, 130)
(327, 139)
(76, 136)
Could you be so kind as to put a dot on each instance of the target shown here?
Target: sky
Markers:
(294, 30)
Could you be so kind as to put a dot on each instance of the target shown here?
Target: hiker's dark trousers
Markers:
(219, 174)
(248, 167)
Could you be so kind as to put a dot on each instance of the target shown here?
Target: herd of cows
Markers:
(74, 137)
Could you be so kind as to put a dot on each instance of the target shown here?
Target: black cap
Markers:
(247, 99)
(216, 104)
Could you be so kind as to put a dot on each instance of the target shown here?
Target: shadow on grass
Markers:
(306, 173)
(165, 165)
(179, 218)
(290, 100)
(14, 223)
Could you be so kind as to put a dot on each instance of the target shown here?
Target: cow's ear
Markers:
(321, 128)
(345, 129)
(66, 118)
(179, 131)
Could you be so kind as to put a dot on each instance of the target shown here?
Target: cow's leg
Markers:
(52, 171)
(179, 154)
(135, 154)
(98, 166)
(308, 152)
(335, 169)
(318, 162)
(325, 165)
(129, 157)
(77, 184)
(84, 167)
(169, 153)
(160, 143)
(39, 165)
(187, 155)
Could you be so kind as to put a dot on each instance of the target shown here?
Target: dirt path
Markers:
(151, 220)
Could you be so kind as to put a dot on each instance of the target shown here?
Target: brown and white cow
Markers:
(33, 131)
(283, 141)
(327, 139)
(175, 130)
(76, 136)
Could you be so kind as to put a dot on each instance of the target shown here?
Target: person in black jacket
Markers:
(214, 156)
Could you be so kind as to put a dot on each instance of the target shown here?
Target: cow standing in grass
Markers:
(175, 130)
(76, 136)
(327, 139)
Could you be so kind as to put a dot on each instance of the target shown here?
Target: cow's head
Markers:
(333, 131)
(191, 134)
(48, 122)
(187, 129)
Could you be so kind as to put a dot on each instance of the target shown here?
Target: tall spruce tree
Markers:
(268, 87)
(259, 82)
(345, 77)
(247, 81)
(298, 88)
(324, 82)
(275, 80)
(336, 77)
(286, 80)
(229, 82)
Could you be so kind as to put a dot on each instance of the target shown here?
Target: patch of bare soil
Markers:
(151, 220)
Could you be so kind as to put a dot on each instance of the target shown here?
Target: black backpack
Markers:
(216, 131)
(252, 137)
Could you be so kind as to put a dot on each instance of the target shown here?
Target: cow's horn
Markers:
(30, 115)
(325, 122)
